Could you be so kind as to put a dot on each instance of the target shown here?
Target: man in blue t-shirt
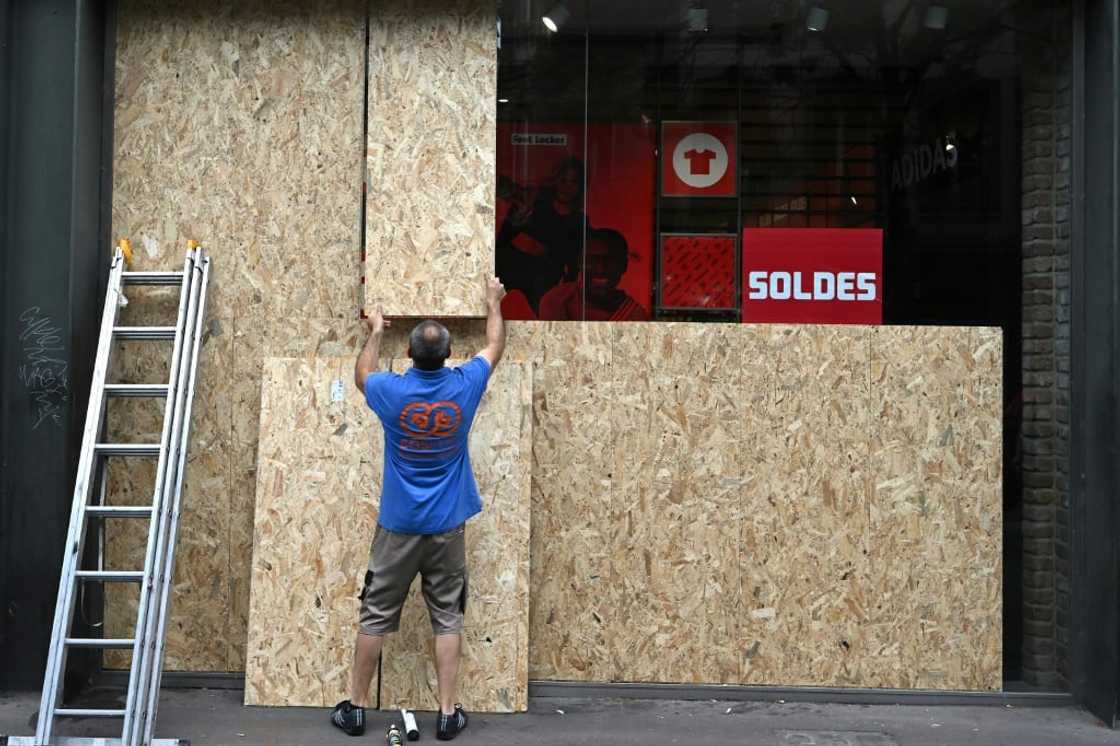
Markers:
(427, 495)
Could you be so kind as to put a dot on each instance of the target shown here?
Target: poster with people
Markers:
(575, 219)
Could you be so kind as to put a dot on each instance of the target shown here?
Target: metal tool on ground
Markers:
(393, 736)
(411, 730)
(162, 514)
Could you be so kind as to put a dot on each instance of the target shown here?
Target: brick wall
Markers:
(1044, 438)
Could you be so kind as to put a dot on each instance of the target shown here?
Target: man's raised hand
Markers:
(376, 321)
(495, 291)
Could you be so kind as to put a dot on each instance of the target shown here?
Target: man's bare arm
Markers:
(495, 324)
(367, 358)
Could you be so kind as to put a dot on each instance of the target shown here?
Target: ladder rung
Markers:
(111, 576)
(144, 332)
(127, 449)
(118, 511)
(152, 278)
(74, 713)
(136, 389)
(100, 642)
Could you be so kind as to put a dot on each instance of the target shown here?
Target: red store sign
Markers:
(699, 159)
(813, 275)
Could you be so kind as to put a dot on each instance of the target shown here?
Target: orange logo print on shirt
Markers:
(439, 419)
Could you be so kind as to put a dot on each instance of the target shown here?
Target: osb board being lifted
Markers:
(315, 514)
(494, 671)
(239, 124)
(430, 156)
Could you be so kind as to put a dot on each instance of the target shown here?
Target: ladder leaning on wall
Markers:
(139, 712)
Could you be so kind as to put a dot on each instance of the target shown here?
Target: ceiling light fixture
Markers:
(817, 19)
(937, 17)
(554, 19)
(503, 101)
(698, 19)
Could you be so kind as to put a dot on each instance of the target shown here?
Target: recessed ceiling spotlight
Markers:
(937, 17)
(698, 19)
(554, 19)
(817, 19)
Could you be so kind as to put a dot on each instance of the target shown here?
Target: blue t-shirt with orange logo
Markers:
(428, 487)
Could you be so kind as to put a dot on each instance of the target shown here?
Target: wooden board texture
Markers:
(782, 505)
(238, 124)
(764, 505)
(430, 156)
(317, 486)
(805, 505)
(777, 505)
(314, 513)
(786, 505)
(935, 519)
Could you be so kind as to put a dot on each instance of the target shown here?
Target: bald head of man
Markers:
(429, 345)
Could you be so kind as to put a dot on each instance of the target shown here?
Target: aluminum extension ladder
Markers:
(147, 642)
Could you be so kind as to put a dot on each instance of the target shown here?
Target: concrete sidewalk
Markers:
(210, 717)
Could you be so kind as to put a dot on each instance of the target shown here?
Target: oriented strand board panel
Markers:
(572, 598)
(316, 482)
(636, 475)
(784, 505)
(805, 504)
(430, 156)
(675, 503)
(493, 673)
(935, 520)
(240, 124)
(254, 341)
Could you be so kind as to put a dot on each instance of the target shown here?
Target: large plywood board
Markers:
(318, 480)
(572, 599)
(430, 156)
(254, 341)
(935, 519)
(316, 483)
(675, 501)
(783, 505)
(239, 124)
(494, 670)
(805, 504)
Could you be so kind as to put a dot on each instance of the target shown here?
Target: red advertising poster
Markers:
(813, 275)
(697, 271)
(540, 258)
(699, 159)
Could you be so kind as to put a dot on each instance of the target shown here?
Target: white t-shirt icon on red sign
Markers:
(700, 160)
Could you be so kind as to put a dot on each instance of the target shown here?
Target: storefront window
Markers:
(874, 161)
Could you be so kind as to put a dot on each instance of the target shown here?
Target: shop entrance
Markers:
(690, 161)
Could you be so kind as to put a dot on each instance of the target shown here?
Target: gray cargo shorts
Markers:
(394, 560)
